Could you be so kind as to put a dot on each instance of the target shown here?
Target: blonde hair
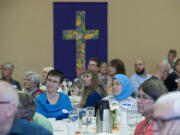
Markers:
(92, 87)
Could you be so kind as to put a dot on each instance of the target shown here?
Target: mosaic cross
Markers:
(80, 35)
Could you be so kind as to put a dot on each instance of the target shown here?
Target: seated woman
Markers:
(91, 94)
(172, 80)
(31, 84)
(121, 92)
(51, 103)
(149, 92)
(116, 66)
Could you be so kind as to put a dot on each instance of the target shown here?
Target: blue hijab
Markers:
(126, 87)
(58, 110)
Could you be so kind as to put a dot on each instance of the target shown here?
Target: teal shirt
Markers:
(42, 121)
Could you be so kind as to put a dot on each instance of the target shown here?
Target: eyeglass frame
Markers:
(161, 121)
(52, 81)
(93, 65)
(5, 102)
(143, 97)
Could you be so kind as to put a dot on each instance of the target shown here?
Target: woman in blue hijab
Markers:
(121, 92)
(121, 87)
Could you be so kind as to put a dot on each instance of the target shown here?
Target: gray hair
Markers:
(9, 93)
(9, 65)
(171, 98)
(35, 77)
(47, 69)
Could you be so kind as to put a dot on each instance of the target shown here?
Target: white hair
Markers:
(9, 93)
(9, 65)
(172, 99)
(35, 77)
(47, 69)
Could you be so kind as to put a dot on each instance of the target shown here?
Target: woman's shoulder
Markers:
(94, 93)
(41, 97)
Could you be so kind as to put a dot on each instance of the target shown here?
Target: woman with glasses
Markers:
(149, 92)
(91, 93)
(172, 80)
(53, 104)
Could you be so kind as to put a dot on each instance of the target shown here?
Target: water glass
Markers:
(73, 115)
(132, 117)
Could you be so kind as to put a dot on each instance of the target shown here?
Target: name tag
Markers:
(126, 105)
(64, 111)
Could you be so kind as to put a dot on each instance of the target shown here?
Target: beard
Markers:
(140, 72)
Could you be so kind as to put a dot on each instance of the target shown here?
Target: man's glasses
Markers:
(93, 65)
(4, 102)
(161, 121)
(53, 81)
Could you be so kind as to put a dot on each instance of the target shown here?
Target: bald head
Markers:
(162, 71)
(8, 93)
(169, 103)
(166, 114)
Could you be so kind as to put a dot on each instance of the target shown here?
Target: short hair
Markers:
(9, 92)
(153, 88)
(35, 77)
(9, 65)
(176, 63)
(119, 65)
(27, 106)
(47, 69)
(173, 51)
(57, 73)
(172, 99)
(96, 60)
(103, 63)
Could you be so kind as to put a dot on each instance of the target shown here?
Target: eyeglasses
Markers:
(4, 68)
(4, 102)
(161, 121)
(53, 81)
(93, 65)
(143, 97)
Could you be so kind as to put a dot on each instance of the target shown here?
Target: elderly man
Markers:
(162, 71)
(167, 114)
(7, 71)
(9, 123)
(139, 77)
(31, 84)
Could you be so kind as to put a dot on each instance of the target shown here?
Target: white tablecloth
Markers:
(63, 127)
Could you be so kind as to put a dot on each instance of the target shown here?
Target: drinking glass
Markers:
(132, 118)
(73, 115)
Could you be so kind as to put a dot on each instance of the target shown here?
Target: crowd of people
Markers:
(156, 96)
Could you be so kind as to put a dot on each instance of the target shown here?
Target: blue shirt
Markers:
(93, 99)
(59, 110)
(137, 80)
